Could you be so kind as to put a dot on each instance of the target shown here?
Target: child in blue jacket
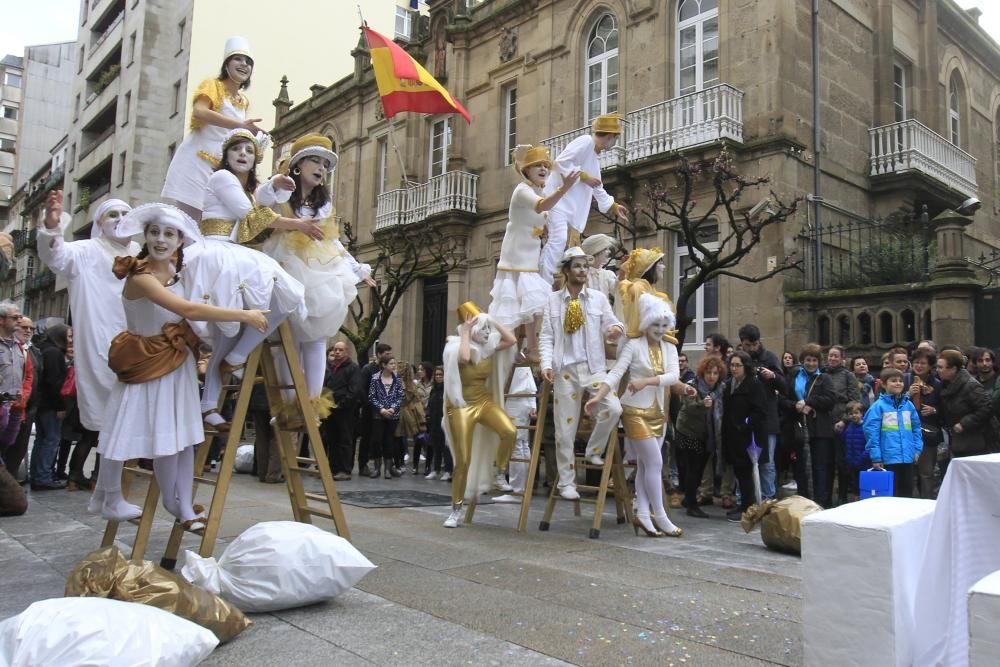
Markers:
(852, 439)
(892, 433)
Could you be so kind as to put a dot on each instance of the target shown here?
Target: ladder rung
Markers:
(318, 511)
(232, 387)
(281, 386)
(318, 497)
(141, 472)
(522, 395)
(207, 481)
(305, 459)
(305, 471)
(273, 343)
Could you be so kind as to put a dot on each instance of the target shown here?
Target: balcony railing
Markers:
(451, 191)
(909, 146)
(107, 31)
(703, 117)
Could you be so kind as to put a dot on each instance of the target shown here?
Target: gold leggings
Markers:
(462, 422)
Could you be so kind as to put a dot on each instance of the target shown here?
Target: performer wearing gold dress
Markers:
(643, 268)
(651, 363)
(477, 429)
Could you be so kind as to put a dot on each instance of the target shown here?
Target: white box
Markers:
(984, 620)
(860, 568)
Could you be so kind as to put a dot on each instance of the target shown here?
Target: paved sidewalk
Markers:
(476, 595)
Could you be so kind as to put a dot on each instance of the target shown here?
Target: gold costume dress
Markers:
(480, 409)
(642, 423)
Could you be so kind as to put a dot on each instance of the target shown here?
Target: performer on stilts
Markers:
(651, 364)
(219, 106)
(323, 265)
(228, 274)
(96, 305)
(477, 429)
(153, 408)
(580, 155)
(519, 293)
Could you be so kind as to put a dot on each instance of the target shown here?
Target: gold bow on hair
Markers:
(574, 317)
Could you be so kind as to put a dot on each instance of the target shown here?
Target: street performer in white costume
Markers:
(324, 266)
(95, 300)
(580, 156)
(219, 106)
(576, 323)
(477, 429)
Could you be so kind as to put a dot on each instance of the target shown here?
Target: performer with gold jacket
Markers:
(477, 429)
(322, 264)
(643, 268)
(229, 274)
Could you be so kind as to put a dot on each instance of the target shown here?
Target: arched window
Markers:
(602, 67)
(697, 45)
(864, 329)
(955, 109)
(885, 333)
(843, 330)
(996, 149)
(908, 321)
(823, 330)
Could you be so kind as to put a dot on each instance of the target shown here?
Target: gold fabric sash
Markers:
(574, 317)
(216, 227)
(250, 227)
(137, 359)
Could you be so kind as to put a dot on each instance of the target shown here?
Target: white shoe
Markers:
(406, 458)
(569, 493)
(500, 484)
(453, 518)
(595, 460)
(431, 475)
(506, 498)
(122, 512)
(446, 477)
(96, 502)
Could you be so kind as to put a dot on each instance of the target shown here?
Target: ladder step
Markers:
(305, 459)
(140, 472)
(305, 471)
(521, 395)
(319, 511)
(318, 497)
(207, 481)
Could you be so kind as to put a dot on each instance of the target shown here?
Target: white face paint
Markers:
(601, 258)
(241, 157)
(312, 171)
(481, 335)
(658, 328)
(239, 68)
(537, 173)
(109, 222)
(162, 241)
(660, 269)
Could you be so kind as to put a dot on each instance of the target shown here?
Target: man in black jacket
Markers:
(382, 351)
(769, 372)
(344, 379)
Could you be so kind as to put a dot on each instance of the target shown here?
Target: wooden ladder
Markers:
(293, 466)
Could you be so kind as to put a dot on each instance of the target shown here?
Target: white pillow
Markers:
(97, 632)
(279, 564)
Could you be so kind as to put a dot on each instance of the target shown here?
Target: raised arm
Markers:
(52, 248)
(146, 286)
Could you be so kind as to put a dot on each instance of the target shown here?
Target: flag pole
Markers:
(392, 135)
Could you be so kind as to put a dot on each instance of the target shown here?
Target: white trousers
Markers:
(557, 232)
(571, 384)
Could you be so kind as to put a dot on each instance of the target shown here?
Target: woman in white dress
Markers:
(519, 293)
(651, 364)
(153, 408)
(219, 106)
(324, 264)
(229, 274)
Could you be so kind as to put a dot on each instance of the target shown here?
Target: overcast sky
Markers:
(28, 22)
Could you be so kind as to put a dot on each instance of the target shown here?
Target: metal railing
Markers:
(107, 31)
(615, 157)
(856, 252)
(910, 145)
(451, 191)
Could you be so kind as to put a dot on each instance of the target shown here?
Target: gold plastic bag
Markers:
(780, 522)
(105, 573)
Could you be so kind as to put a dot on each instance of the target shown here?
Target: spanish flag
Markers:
(403, 84)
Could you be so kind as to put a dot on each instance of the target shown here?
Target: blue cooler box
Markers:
(875, 483)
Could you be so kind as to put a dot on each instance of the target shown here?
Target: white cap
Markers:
(237, 46)
(106, 205)
(573, 253)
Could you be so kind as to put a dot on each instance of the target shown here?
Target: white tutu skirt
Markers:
(517, 297)
(188, 172)
(230, 275)
(331, 282)
(156, 418)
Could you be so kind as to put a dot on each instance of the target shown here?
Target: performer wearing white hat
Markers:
(153, 408)
(580, 155)
(651, 364)
(519, 293)
(95, 302)
(219, 106)
(576, 323)
(599, 246)
(229, 274)
(324, 265)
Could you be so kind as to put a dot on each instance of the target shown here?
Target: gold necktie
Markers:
(574, 317)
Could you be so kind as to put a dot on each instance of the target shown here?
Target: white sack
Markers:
(279, 564)
(244, 459)
(97, 632)
(984, 619)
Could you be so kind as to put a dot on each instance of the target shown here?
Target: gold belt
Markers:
(216, 227)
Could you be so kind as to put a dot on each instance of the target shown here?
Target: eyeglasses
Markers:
(736, 365)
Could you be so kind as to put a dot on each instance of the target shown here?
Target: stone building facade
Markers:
(11, 80)
(909, 111)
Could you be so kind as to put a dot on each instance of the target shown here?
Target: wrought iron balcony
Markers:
(451, 191)
(704, 117)
(910, 146)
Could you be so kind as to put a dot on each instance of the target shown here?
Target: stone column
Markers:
(953, 282)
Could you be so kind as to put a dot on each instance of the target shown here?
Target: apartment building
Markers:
(11, 79)
(909, 118)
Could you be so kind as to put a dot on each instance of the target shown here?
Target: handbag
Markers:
(68, 389)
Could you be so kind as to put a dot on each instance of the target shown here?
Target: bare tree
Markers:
(406, 254)
(737, 230)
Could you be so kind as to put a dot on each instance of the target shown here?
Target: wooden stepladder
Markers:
(303, 503)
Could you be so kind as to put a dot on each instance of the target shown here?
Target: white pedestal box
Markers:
(984, 622)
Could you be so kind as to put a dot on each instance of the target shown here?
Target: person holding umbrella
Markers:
(744, 421)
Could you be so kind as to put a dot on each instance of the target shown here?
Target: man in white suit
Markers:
(575, 324)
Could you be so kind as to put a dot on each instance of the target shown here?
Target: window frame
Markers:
(8, 76)
(603, 59)
(509, 107)
(122, 158)
(699, 320)
(126, 107)
(7, 106)
(698, 23)
(178, 104)
(406, 16)
(900, 91)
(446, 135)
(381, 165)
(181, 27)
(954, 110)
